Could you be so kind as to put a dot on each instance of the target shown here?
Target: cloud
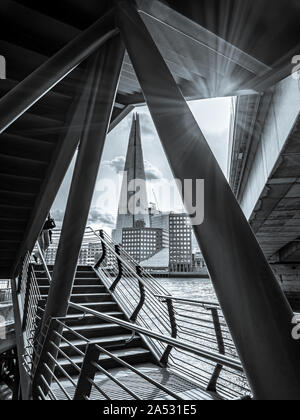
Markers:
(58, 215)
(152, 172)
(117, 164)
(148, 127)
(96, 216)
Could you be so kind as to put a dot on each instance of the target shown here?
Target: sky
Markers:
(213, 117)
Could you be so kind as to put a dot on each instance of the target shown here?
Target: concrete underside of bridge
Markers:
(265, 169)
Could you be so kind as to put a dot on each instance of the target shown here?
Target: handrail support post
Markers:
(174, 331)
(88, 372)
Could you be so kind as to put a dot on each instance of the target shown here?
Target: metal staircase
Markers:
(124, 336)
(90, 292)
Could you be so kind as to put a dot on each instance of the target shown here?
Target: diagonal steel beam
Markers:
(37, 84)
(257, 313)
(108, 63)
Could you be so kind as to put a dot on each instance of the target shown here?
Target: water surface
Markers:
(190, 288)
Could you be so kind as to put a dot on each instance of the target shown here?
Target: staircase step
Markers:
(87, 298)
(43, 281)
(89, 291)
(86, 274)
(96, 306)
(85, 268)
(12, 145)
(11, 165)
(91, 281)
(79, 290)
(90, 297)
(118, 342)
(94, 330)
(133, 356)
(78, 319)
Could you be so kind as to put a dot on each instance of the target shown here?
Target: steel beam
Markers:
(257, 313)
(108, 63)
(120, 117)
(36, 85)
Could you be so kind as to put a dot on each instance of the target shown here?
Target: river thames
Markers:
(189, 288)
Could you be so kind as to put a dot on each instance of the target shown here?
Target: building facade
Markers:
(180, 239)
(180, 232)
(88, 255)
(143, 243)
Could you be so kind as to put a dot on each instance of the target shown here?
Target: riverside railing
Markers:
(203, 324)
(194, 322)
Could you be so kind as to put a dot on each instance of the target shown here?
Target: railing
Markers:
(203, 324)
(6, 309)
(31, 305)
(149, 305)
(189, 338)
(91, 380)
(134, 290)
(132, 287)
(5, 292)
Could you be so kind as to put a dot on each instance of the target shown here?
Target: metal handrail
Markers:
(190, 301)
(147, 309)
(212, 356)
(121, 259)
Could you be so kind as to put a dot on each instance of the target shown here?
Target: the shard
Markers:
(133, 204)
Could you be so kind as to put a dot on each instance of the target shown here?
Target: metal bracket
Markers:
(104, 251)
(165, 357)
(212, 386)
(135, 314)
(120, 269)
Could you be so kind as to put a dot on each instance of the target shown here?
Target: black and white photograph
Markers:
(149, 203)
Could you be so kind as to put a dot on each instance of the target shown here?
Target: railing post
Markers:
(20, 277)
(27, 296)
(120, 269)
(43, 261)
(135, 314)
(39, 316)
(104, 251)
(165, 357)
(41, 358)
(87, 374)
(19, 283)
(212, 386)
